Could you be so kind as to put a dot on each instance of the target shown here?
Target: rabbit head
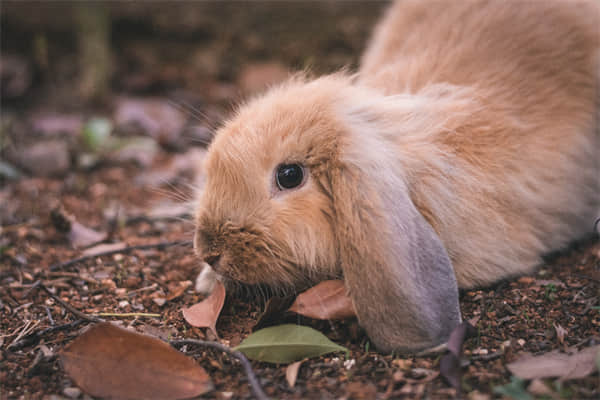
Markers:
(303, 184)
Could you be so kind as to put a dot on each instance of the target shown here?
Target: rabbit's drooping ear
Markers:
(396, 269)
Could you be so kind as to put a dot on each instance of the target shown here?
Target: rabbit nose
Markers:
(213, 261)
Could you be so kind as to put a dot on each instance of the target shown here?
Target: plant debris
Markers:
(287, 343)
(206, 313)
(112, 362)
(327, 300)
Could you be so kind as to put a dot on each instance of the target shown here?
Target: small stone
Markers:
(123, 304)
(348, 364)
(521, 342)
(72, 392)
(159, 301)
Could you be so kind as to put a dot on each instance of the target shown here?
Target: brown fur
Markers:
(465, 148)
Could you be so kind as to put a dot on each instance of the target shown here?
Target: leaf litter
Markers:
(287, 343)
(565, 366)
(326, 300)
(206, 313)
(111, 362)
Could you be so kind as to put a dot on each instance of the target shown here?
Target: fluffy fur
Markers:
(466, 147)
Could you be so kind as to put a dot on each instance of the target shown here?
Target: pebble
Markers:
(72, 392)
(159, 301)
(46, 158)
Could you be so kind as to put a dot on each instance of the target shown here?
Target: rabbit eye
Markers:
(289, 176)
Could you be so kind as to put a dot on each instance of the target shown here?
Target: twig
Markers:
(486, 357)
(35, 337)
(67, 306)
(49, 314)
(254, 384)
(159, 245)
(126, 315)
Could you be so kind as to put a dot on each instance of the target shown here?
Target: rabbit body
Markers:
(464, 149)
(516, 172)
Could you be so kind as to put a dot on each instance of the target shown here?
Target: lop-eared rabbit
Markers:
(464, 148)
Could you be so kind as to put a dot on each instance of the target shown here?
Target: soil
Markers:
(556, 308)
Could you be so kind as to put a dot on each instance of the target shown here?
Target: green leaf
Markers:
(515, 389)
(286, 343)
(96, 133)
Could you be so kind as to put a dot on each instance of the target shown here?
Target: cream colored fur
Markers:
(466, 147)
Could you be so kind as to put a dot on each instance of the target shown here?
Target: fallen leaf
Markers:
(82, 236)
(555, 364)
(291, 373)
(104, 248)
(77, 234)
(178, 290)
(450, 363)
(111, 362)
(284, 344)
(206, 313)
(154, 117)
(327, 300)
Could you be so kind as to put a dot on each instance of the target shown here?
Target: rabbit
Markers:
(464, 148)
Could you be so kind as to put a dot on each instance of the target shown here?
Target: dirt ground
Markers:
(137, 187)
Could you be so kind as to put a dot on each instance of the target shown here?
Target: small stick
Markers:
(486, 357)
(35, 337)
(126, 315)
(68, 307)
(49, 314)
(254, 384)
(159, 245)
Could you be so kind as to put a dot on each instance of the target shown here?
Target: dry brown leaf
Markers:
(82, 236)
(178, 290)
(291, 373)
(206, 313)
(554, 364)
(111, 362)
(77, 234)
(327, 300)
(450, 367)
